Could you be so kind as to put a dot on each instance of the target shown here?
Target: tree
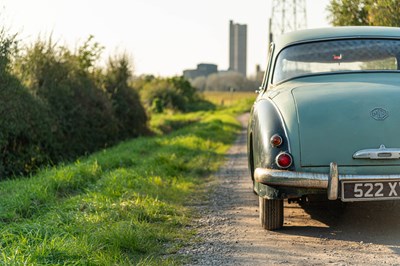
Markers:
(385, 13)
(225, 81)
(348, 12)
(364, 12)
(199, 83)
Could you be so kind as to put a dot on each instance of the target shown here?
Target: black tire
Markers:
(271, 213)
(251, 164)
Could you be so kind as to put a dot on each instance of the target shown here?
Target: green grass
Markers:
(233, 103)
(224, 98)
(121, 206)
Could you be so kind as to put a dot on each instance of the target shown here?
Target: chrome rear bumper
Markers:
(330, 181)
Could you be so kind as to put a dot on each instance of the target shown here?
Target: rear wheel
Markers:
(271, 213)
(251, 163)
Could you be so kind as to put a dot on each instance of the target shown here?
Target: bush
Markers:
(169, 93)
(131, 115)
(25, 126)
(57, 104)
(91, 108)
(83, 116)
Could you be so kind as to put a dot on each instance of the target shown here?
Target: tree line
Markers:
(226, 81)
(364, 12)
(57, 104)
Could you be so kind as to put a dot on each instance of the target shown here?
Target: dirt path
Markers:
(317, 234)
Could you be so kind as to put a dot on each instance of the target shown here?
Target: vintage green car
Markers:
(327, 119)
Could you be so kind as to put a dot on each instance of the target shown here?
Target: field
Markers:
(121, 206)
(229, 98)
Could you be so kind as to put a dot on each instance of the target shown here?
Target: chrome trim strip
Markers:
(369, 177)
(382, 153)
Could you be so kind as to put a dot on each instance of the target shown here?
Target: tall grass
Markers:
(121, 206)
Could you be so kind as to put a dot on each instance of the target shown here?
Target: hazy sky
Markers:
(162, 36)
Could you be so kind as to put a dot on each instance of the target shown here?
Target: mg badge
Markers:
(379, 114)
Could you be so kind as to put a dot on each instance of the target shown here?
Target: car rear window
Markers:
(337, 56)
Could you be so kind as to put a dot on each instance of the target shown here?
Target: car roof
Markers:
(335, 33)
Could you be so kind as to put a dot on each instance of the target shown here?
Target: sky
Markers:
(163, 37)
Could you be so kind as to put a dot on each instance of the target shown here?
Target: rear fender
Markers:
(266, 121)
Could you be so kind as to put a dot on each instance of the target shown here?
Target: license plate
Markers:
(370, 190)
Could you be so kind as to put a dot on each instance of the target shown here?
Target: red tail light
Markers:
(284, 160)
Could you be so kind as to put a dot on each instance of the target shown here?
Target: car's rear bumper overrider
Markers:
(330, 181)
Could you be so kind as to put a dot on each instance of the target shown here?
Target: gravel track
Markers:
(324, 233)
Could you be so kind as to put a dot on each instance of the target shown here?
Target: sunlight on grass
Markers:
(121, 206)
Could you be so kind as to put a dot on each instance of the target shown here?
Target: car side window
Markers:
(264, 84)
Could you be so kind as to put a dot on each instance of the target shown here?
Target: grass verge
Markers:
(121, 206)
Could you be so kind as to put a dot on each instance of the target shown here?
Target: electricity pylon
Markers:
(286, 16)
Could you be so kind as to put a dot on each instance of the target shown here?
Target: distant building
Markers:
(203, 70)
(237, 47)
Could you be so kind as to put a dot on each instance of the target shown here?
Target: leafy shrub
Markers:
(169, 93)
(25, 128)
(91, 107)
(83, 116)
(128, 109)
(56, 104)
